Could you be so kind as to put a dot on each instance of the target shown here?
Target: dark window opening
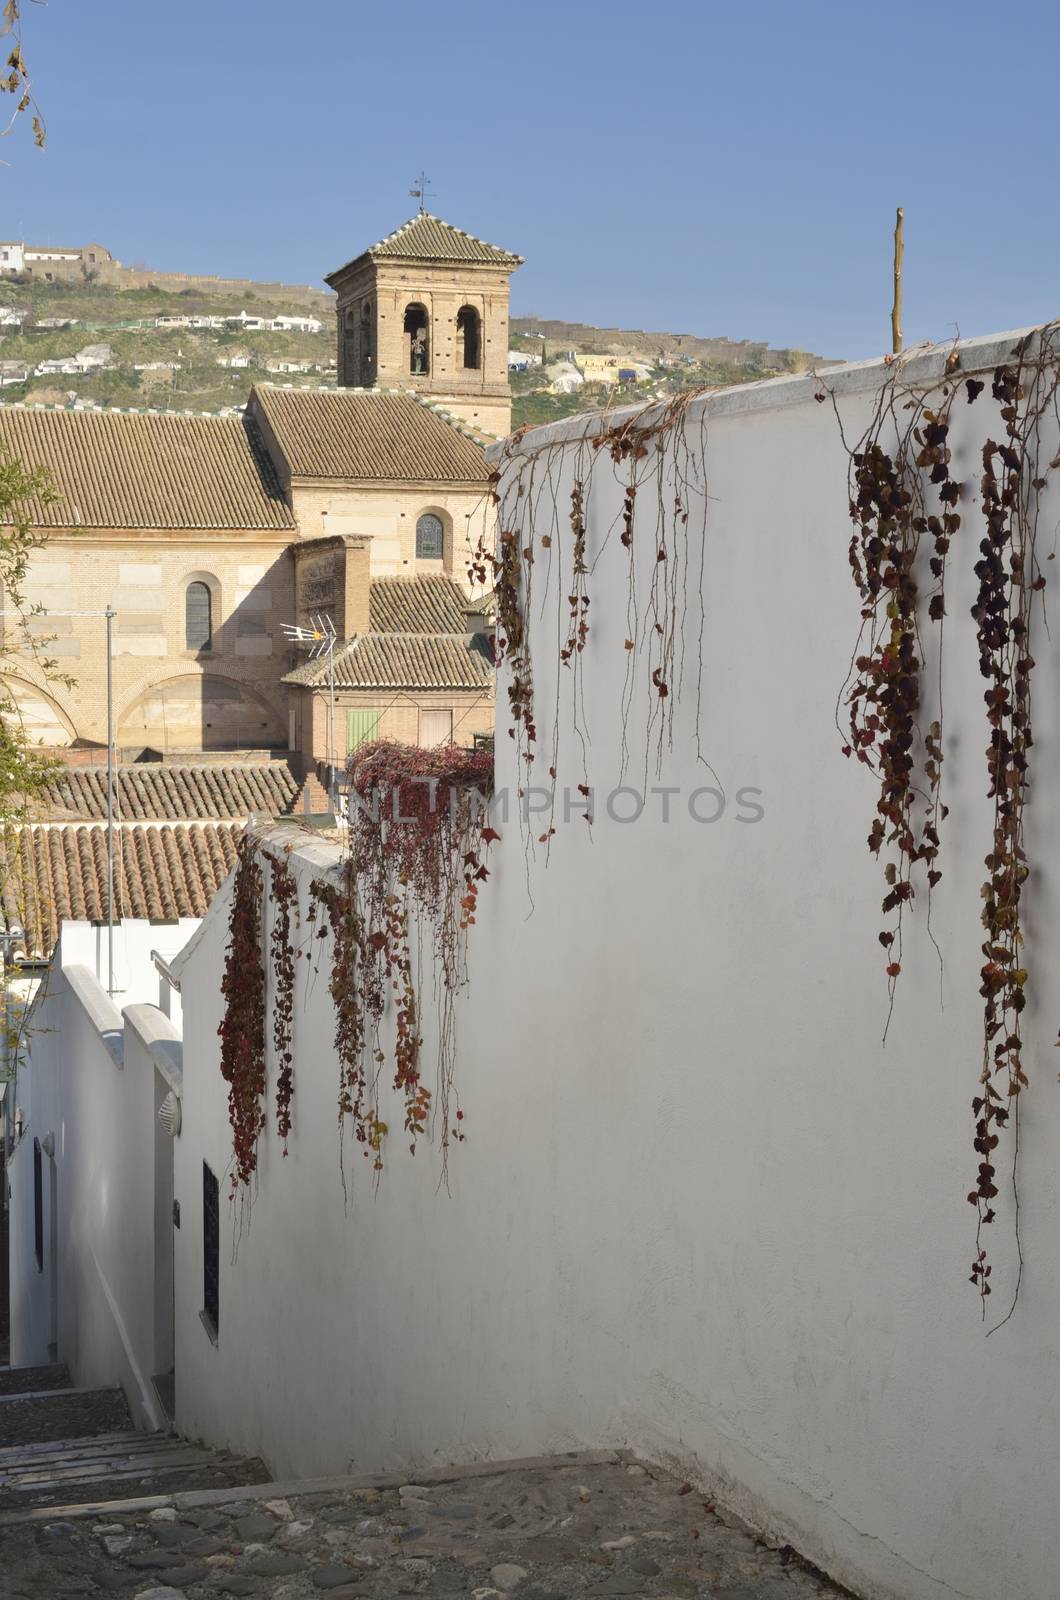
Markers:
(366, 345)
(468, 327)
(198, 628)
(416, 334)
(38, 1205)
(211, 1248)
(430, 538)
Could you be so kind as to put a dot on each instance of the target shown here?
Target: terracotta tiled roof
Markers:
(418, 640)
(428, 238)
(191, 794)
(417, 605)
(161, 872)
(377, 435)
(405, 661)
(119, 469)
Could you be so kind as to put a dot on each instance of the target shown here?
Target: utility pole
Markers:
(896, 307)
(110, 614)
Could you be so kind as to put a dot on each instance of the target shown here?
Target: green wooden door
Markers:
(361, 725)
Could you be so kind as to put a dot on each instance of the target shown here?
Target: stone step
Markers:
(94, 1447)
(72, 1479)
(202, 1473)
(113, 1466)
(52, 1446)
(26, 1380)
(43, 1415)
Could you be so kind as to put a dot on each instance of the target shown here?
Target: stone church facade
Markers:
(206, 535)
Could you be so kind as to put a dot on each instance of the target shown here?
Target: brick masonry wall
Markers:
(388, 515)
(166, 696)
(478, 395)
(400, 717)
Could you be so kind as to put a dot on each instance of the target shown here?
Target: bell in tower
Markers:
(427, 309)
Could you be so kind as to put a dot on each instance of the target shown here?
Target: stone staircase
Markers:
(62, 1446)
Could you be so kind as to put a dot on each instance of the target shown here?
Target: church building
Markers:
(208, 535)
(427, 308)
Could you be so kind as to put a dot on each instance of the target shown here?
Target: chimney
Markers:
(477, 619)
(357, 561)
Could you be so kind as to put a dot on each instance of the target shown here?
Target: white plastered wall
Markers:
(702, 1210)
(88, 1088)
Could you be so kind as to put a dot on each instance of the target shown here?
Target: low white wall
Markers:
(90, 1087)
(702, 1210)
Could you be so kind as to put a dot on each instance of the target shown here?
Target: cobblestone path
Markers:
(539, 1533)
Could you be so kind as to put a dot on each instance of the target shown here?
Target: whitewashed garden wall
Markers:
(90, 1082)
(702, 1209)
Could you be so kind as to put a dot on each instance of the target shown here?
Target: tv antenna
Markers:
(320, 638)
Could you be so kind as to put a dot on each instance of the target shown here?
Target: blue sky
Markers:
(711, 168)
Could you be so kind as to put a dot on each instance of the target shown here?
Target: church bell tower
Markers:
(427, 309)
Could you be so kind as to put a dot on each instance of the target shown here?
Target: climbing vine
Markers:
(1010, 576)
(418, 838)
(242, 1027)
(415, 860)
(898, 495)
(657, 456)
(284, 900)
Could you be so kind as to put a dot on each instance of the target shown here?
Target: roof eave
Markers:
(309, 480)
(506, 263)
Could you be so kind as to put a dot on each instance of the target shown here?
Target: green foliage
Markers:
(533, 409)
(24, 768)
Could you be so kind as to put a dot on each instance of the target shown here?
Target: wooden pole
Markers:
(896, 309)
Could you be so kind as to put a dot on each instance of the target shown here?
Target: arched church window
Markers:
(469, 333)
(430, 538)
(417, 330)
(198, 621)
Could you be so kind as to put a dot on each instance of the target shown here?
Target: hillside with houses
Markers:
(78, 329)
(170, 344)
(559, 368)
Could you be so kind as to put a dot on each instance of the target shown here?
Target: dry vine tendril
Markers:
(242, 1028)
(415, 861)
(284, 899)
(891, 505)
(1009, 576)
(659, 471)
(889, 508)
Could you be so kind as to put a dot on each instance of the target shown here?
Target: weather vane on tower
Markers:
(422, 192)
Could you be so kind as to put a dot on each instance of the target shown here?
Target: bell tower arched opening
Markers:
(469, 338)
(417, 329)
